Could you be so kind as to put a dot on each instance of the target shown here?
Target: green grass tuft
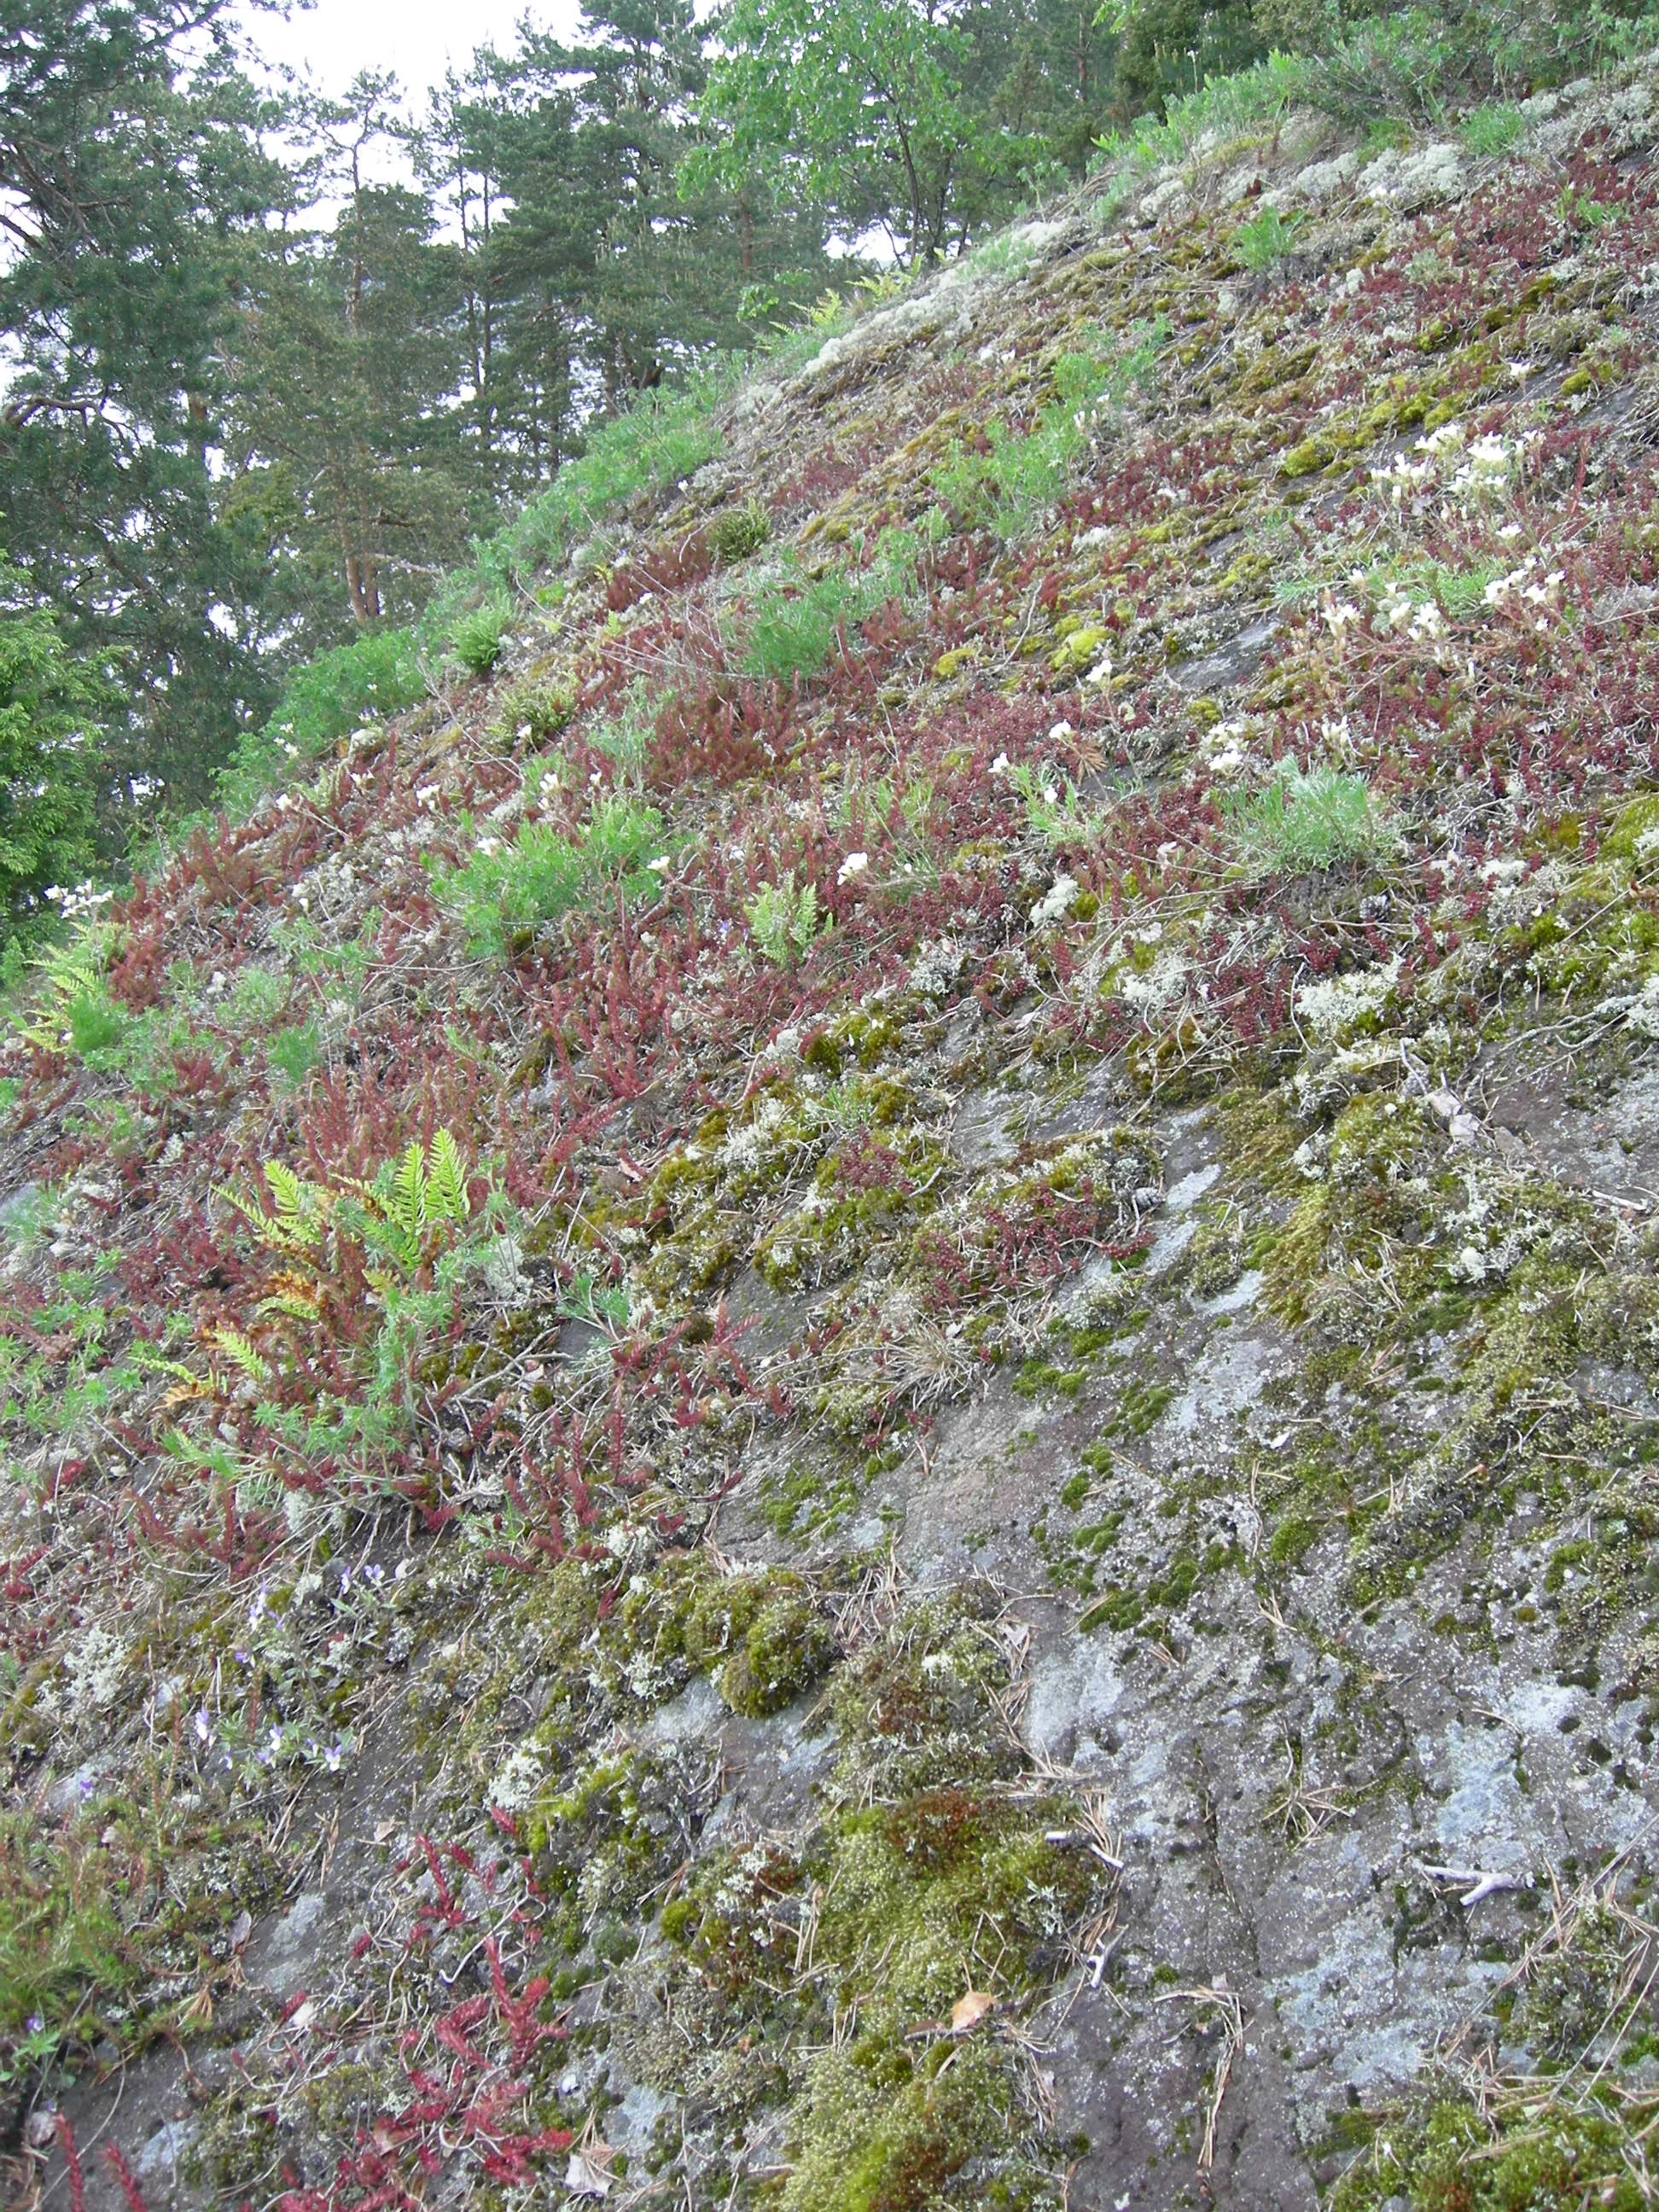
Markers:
(475, 638)
(1266, 239)
(501, 894)
(1308, 820)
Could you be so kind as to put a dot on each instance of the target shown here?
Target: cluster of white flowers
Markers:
(1402, 475)
(82, 898)
(1487, 467)
(1528, 586)
(1399, 612)
(855, 864)
(1420, 618)
(1225, 746)
(1446, 460)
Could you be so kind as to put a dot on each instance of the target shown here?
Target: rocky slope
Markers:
(847, 1398)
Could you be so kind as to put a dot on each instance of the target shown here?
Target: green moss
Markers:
(870, 2143)
(1079, 652)
(739, 531)
(926, 1878)
(786, 1648)
(64, 1950)
(1554, 2159)
(853, 1140)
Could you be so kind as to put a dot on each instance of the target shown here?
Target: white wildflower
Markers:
(855, 864)
(1226, 746)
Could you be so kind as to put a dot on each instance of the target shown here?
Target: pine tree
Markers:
(348, 360)
(132, 189)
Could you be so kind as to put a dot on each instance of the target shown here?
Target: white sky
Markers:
(416, 39)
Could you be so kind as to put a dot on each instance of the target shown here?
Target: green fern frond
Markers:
(242, 1351)
(405, 1197)
(445, 1180)
(301, 1212)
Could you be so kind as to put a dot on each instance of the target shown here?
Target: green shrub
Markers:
(1007, 484)
(662, 438)
(332, 695)
(1303, 821)
(1225, 107)
(475, 638)
(62, 1945)
(1268, 239)
(627, 734)
(95, 1022)
(322, 703)
(797, 623)
(1410, 65)
(794, 634)
(1054, 809)
(294, 1052)
(1489, 132)
(257, 1000)
(537, 709)
(506, 890)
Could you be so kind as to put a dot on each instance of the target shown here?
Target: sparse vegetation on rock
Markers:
(843, 1395)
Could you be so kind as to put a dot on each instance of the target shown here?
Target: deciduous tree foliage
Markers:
(50, 709)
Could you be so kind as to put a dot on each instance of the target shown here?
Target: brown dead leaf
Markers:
(968, 2011)
(582, 2177)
